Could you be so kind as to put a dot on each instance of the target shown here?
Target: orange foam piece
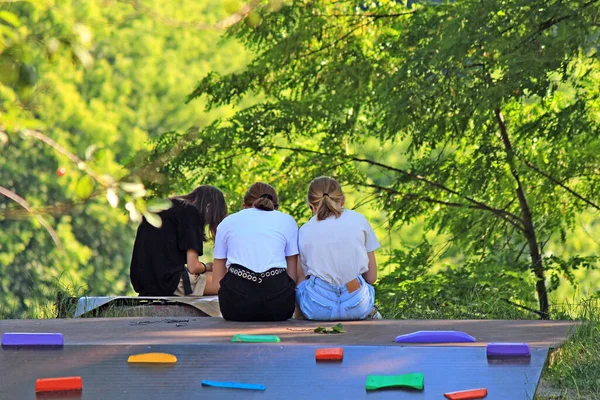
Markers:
(58, 384)
(467, 394)
(155, 358)
(330, 354)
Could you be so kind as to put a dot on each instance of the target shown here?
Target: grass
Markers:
(573, 371)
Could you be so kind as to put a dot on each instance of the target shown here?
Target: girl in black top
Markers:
(160, 255)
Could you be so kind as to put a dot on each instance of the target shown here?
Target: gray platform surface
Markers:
(289, 372)
(131, 331)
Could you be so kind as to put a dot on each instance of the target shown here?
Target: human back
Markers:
(165, 259)
(256, 239)
(337, 258)
(256, 259)
(335, 249)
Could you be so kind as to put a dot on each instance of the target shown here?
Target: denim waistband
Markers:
(330, 287)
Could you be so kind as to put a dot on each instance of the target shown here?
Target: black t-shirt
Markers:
(159, 254)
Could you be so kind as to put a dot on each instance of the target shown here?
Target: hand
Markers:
(209, 267)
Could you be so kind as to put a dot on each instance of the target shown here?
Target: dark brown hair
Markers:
(211, 205)
(262, 196)
(325, 194)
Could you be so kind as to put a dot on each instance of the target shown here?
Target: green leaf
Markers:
(337, 328)
(153, 219)
(135, 189)
(85, 187)
(112, 197)
(158, 205)
(90, 151)
(10, 18)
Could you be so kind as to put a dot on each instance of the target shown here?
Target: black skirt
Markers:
(257, 297)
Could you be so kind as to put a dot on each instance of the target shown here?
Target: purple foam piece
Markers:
(508, 350)
(435, 337)
(32, 339)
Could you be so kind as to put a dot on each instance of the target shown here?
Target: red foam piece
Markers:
(330, 354)
(467, 394)
(58, 384)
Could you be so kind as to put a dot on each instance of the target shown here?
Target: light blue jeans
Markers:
(323, 301)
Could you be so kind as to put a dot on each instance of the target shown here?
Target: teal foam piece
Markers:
(234, 385)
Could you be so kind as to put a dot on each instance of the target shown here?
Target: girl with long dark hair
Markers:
(165, 260)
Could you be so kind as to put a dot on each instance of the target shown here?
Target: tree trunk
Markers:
(529, 231)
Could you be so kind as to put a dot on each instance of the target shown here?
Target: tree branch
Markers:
(524, 307)
(76, 160)
(557, 182)
(509, 217)
(376, 16)
(333, 43)
(414, 196)
(527, 218)
(23, 203)
(223, 24)
(554, 21)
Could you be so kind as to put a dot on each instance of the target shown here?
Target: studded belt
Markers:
(257, 277)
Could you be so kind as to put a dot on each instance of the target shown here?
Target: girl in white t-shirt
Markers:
(337, 258)
(256, 255)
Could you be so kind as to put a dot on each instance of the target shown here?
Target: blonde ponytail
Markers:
(325, 194)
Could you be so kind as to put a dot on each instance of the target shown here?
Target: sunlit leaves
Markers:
(441, 83)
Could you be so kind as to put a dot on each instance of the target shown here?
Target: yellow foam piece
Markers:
(156, 358)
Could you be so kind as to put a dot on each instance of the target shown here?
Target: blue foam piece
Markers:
(234, 385)
(508, 350)
(435, 337)
(32, 339)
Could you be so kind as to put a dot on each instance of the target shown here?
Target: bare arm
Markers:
(292, 266)
(300, 272)
(194, 265)
(371, 275)
(219, 270)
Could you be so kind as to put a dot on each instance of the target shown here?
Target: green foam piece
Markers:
(255, 338)
(411, 381)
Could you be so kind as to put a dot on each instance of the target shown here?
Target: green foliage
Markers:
(337, 328)
(475, 290)
(491, 109)
(83, 86)
(574, 366)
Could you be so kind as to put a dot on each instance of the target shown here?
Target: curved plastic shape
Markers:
(435, 337)
(32, 339)
(255, 338)
(58, 384)
(234, 385)
(153, 358)
(410, 381)
(508, 350)
(467, 394)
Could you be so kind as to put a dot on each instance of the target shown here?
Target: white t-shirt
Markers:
(256, 239)
(335, 249)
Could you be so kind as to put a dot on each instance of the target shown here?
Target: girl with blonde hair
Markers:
(337, 257)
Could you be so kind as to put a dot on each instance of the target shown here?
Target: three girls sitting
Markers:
(255, 258)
